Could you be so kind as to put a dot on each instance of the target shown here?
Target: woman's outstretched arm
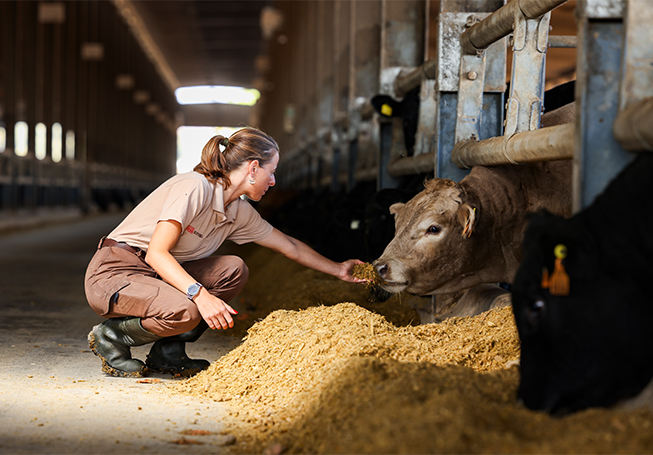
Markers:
(303, 254)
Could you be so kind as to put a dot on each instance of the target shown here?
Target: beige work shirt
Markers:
(198, 205)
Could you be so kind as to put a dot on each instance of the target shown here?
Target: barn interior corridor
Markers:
(53, 396)
(417, 136)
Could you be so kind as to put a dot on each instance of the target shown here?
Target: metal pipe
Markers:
(411, 165)
(562, 41)
(545, 144)
(500, 23)
(406, 82)
(632, 127)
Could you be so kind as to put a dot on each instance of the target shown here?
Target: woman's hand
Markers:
(214, 310)
(345, 271)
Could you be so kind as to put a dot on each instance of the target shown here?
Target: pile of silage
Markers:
(276, 283)
(341, 379)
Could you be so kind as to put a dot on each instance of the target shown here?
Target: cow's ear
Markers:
(395, 208)
(466, 215)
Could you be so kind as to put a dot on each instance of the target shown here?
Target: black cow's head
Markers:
(591, 347)
(406, 109)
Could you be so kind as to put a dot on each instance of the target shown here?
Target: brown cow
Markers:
(453, 236)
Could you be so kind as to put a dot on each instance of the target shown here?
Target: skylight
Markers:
(211, 94)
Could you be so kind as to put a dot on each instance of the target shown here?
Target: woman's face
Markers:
(263, 179)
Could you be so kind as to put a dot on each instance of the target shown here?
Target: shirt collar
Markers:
(227, 214)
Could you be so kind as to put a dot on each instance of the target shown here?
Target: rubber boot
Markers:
(168, 355)
(111, 340)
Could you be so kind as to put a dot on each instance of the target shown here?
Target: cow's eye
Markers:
(535, 313)
(434, 229)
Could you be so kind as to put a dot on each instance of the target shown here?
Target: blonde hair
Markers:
(246, 144)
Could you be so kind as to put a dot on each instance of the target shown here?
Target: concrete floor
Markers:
(53, 396)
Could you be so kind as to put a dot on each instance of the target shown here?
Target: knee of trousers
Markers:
(240, 269)
(232, 272)
(180, 319)
(240, 274)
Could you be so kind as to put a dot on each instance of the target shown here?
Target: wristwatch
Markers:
(193, 290)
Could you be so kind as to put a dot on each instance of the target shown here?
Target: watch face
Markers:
(193, 289)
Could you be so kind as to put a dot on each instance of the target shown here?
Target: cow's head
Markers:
(433, 241)
(591, 347)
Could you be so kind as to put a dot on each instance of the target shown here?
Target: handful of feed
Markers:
(367, 272)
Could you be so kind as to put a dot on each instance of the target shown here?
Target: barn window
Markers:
(40, 141)
(57, 142)
(70, 145)
(21, 138)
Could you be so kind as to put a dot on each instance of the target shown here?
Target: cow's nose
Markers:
(382, 269)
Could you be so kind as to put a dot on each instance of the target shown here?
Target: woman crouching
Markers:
(153, 276)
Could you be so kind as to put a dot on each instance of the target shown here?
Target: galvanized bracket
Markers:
(530, 41)
(447, 86)
(447, 71)
(426, 126)
(470, 93)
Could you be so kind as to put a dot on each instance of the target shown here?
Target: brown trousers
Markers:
(118, 283)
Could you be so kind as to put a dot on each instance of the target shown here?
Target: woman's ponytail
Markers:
(246, 144)
(213, 163)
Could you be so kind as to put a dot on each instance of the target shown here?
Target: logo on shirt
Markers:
(191, 230)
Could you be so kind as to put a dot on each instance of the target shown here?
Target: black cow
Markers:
(590, 345)
(407, 109)
(559, 96)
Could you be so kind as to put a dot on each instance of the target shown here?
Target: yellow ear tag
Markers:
(559, 280)
(386, 110)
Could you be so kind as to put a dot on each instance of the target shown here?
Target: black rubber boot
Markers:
(111, 340)
(168, 355)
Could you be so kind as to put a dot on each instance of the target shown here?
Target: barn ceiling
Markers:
(207, 42)
(204, 42)
(221, 42)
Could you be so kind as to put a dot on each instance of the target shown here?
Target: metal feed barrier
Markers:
(624, 102)
(465, 116)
